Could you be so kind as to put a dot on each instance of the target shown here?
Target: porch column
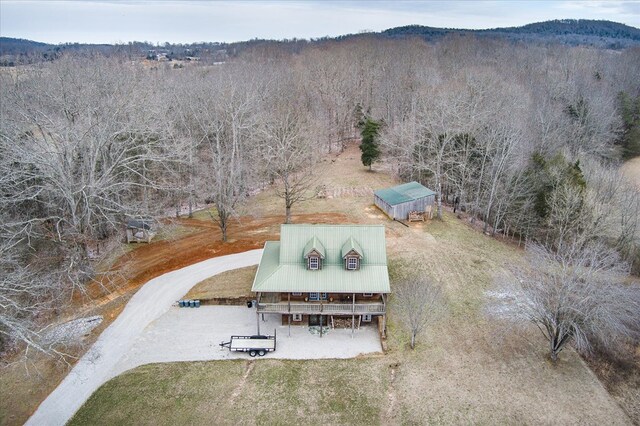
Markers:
(384, 325)
(353, 313)
(384, 317)
(258, 313)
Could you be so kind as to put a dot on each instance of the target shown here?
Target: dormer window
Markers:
(351, 254)
(314, 253)
(352, 263)
(314, 262)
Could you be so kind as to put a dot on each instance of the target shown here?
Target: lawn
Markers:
(235, 284)
(241, 392)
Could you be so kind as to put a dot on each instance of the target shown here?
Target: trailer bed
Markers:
(240, 343)
(255, 345)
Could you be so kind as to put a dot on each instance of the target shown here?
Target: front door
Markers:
(314, 320)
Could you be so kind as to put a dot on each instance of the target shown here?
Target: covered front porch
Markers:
(321, 314)
(329, 304)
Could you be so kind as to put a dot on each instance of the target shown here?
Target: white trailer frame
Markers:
(255, 345)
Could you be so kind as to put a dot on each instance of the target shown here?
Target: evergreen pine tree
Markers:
(369, 145)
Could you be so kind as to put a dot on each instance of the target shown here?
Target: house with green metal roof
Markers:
(323, 274)
(399, 201)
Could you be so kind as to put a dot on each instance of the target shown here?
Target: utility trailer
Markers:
(255, 345)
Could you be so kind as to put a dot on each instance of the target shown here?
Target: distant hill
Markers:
(12, 46)
(604, 34)
(601, 34)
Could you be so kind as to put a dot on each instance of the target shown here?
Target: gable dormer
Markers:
(351, 254)
(314, 254)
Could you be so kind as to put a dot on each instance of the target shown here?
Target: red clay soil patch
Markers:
(152, 260)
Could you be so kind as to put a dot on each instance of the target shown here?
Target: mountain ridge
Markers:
(587, 32)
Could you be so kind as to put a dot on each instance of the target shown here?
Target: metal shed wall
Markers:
(384, 206)
(401, 211)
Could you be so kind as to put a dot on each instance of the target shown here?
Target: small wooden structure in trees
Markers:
(406, 201)
(139, 231)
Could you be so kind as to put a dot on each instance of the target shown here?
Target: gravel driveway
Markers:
(194, 334)
(148, 304)
(151, 330)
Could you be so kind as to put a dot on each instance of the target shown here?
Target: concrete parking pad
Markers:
(194, 334)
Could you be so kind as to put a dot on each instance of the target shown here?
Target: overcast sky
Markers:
(110, 21)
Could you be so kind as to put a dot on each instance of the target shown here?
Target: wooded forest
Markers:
(528, 137)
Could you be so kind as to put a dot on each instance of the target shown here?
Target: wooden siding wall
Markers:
(401, 211)
(326, 320)
(337, 298)
(388, 209)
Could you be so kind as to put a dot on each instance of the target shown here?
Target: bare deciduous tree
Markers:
(78, 153)
(290, 155)
(222, 116)
(577, 295)
(418, 302)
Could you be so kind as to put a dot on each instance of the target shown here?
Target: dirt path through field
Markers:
(389, 418)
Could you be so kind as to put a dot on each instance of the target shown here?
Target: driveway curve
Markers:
(149, 303)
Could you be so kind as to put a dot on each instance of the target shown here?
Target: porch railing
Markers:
(325, 308)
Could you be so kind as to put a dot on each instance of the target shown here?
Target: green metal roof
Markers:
(404, 193)
(314, 244)
(294, 238)
(283, 268)
(350, 245)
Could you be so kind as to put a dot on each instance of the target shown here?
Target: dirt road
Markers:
(149, 303)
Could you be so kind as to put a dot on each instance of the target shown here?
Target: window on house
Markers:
(366, 318)
(296, 294)
(352, 263)
(297, 317)
(367, 294)
(314, 262)
(317, 296)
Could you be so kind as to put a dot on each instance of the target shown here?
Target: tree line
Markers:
(527, 137)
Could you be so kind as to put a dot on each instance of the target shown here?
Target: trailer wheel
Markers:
(262, 352)
(253, 353)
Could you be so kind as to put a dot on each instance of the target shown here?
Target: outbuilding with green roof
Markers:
(399, 201)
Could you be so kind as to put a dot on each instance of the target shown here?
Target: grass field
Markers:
(465, 369)
(403, 388)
